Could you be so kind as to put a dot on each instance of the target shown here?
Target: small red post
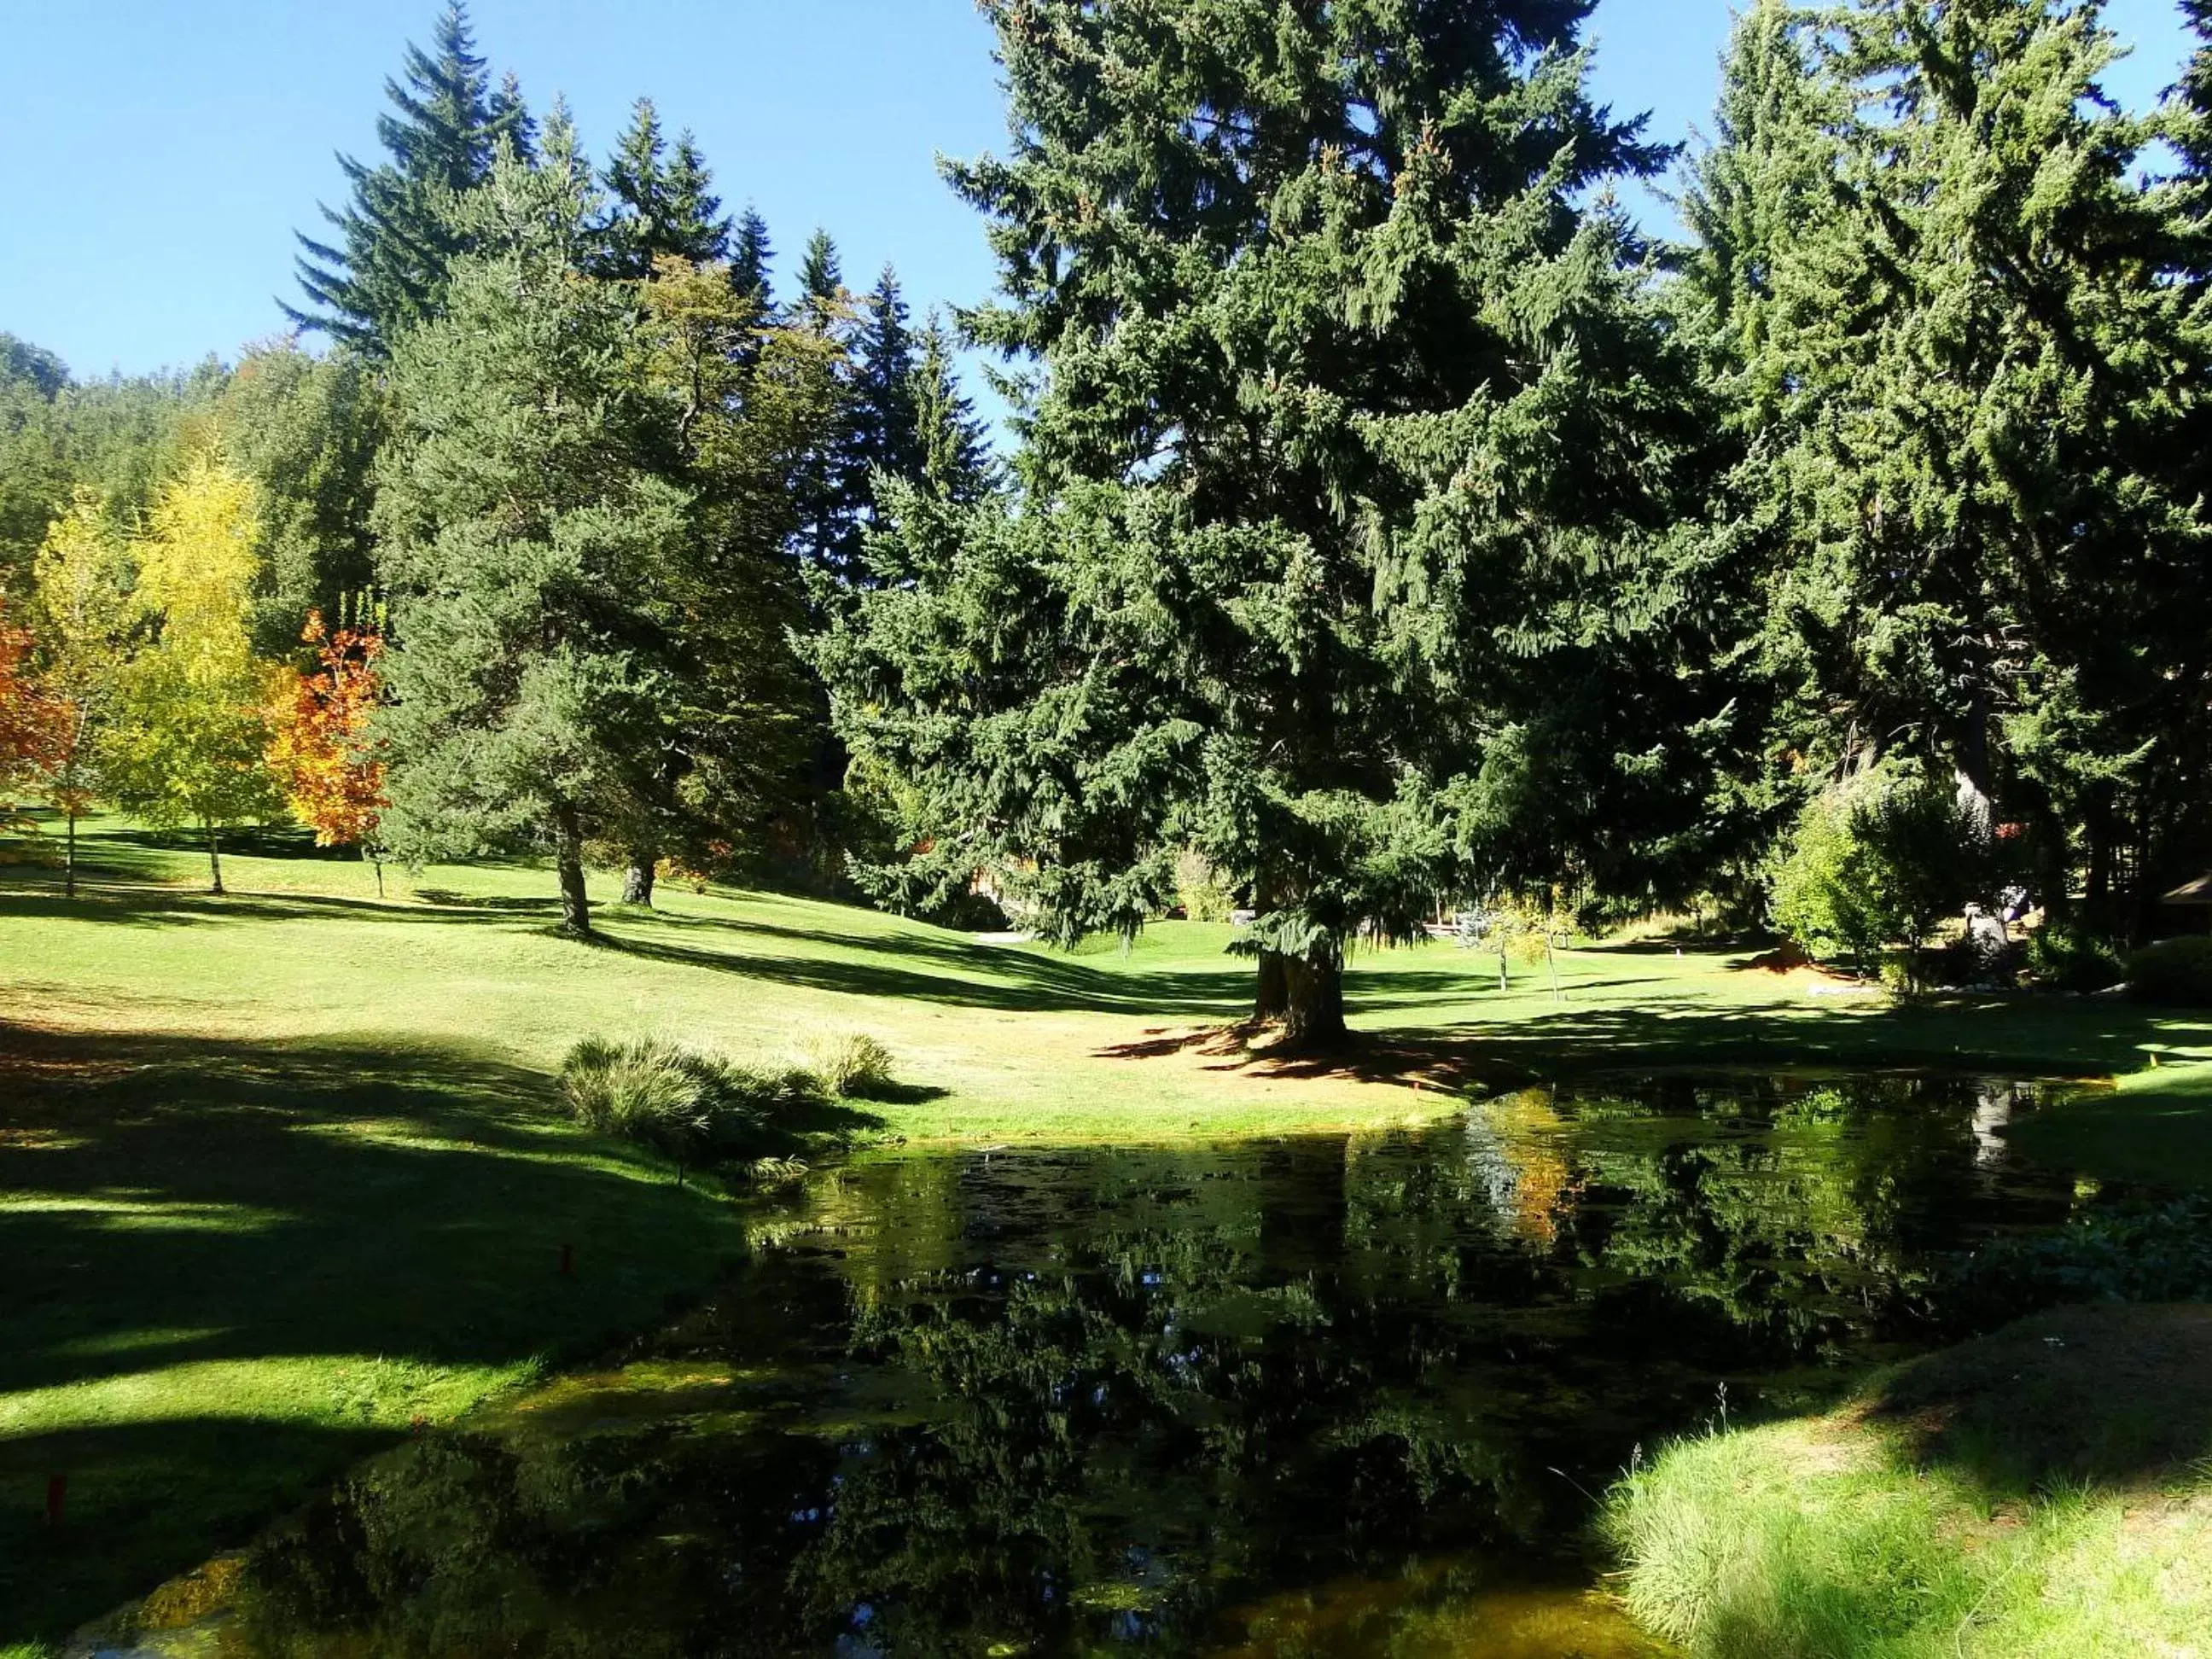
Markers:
(57, 1498)
(568, 1260)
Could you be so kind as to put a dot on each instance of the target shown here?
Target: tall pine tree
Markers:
(953, 458)
(526, 525)
(662, 204)
(752, 259)
(1348, 554)
(1972, 400)
(397, 239)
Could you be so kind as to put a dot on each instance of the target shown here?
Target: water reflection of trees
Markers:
(1052, 1401)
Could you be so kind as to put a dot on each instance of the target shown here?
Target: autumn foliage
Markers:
(320, 747)
(29, 721)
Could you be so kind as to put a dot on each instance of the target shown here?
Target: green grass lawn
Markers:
(281, 1172)
(2044, 1490)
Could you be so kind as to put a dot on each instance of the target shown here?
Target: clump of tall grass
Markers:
(852, 1065)
(691, 1107)
(1823, 1541)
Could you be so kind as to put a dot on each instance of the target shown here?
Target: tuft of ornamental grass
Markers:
(691, 1107)
(1763, 1544)
(852, 1065)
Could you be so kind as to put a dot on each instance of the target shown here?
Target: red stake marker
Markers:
(568, 1260)
(56, 1498)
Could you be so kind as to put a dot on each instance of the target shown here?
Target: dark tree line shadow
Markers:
(172, 1199)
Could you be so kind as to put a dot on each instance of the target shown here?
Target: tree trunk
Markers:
(1313, 1015)
(575, 902)
(1273, 1000)
(214, 858)
(69, 860)
(637, 880)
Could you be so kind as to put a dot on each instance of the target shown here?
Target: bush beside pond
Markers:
(688, 1106)
(2175, 973)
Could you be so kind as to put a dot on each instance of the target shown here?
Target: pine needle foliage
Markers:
(1345, 551)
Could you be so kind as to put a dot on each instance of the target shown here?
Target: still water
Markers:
(1316, 1396)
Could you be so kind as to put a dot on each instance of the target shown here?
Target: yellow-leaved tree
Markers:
(190, 732)
(83, 618)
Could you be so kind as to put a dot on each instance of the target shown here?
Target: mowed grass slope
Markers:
(283, 1173)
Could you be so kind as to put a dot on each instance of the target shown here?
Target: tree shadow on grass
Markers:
(337, 1224)
(1030, 985)
(2053, 1037)
(2112, 1394)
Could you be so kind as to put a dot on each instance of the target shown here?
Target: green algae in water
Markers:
(1318, 1396)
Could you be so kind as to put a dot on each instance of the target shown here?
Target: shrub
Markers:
(851, 1065)
(2131, 1253)
(2175, 972)
(2068, 958)
(689, 1107)
(1880, 858)
(1200, 889)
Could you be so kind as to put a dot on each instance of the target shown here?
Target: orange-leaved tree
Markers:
(320, 746)
(28, 718)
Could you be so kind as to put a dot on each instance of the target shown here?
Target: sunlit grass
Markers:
(1858, 1536)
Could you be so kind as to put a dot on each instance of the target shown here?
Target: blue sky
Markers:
(156, 155)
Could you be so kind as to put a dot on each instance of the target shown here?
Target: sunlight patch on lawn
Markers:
(121, 1212)
(360, 1390)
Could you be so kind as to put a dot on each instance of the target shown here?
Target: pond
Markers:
(1321, 1396)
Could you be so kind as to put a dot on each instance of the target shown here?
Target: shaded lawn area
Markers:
(233, 1268)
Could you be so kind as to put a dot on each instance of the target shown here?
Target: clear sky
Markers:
(156, 155)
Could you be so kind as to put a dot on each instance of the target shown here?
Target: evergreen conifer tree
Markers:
(527, 524)
(829, 519)
(1971, 401)
(821, 274)
(662, 205)
(388, 266)
(953, 459)
(752, 258)
(1349, 553)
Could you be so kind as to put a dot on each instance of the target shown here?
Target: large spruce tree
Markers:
(397, 239)
(1345, 553)
(1970, 397)
(662, 201)
(527, 528)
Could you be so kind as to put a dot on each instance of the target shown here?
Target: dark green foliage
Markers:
(398, 238)
(2130, 1253)
(525, 519)
(821, 274)
(662, 205)
(2067, 957)
(33, 367)
(122, 437)
(954, 462)
(308, 430)
(1929, 287)
(752, 259)
(744, 404)
(2174, 973)
(1349, 552)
